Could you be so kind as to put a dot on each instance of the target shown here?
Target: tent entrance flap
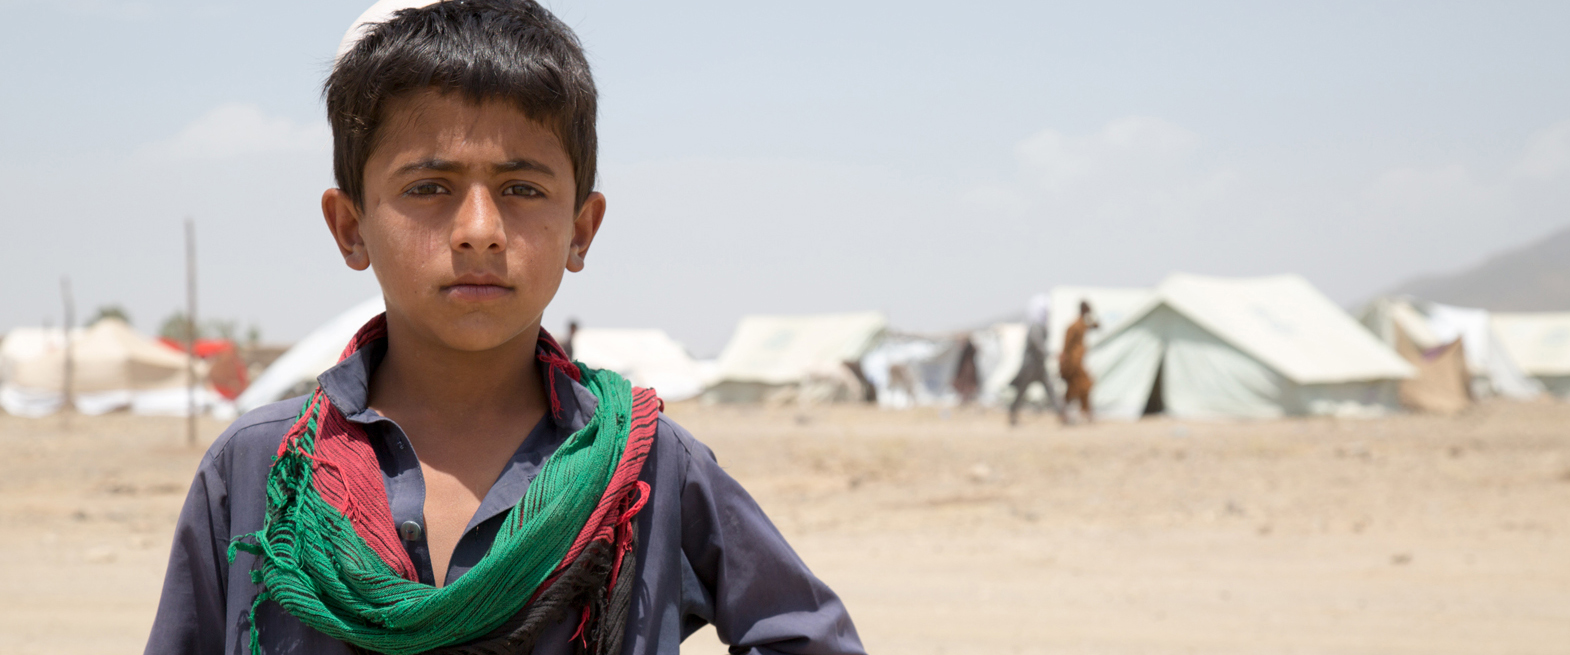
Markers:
(1156, 403)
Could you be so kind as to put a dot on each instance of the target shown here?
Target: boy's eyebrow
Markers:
(431, 164)
(449, 166)
(514, 165)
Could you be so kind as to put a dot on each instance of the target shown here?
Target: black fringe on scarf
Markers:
(582, 584)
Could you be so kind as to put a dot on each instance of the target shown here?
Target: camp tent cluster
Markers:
(1191, 347)
(1465, 354)
(112, 367)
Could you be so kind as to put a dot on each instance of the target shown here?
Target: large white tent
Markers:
(295, 371)
(648, 358)
(1265, 347)
(1540, 343)
(112, 367)
(804, 356)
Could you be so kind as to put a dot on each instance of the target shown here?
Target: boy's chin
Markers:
(475, 334)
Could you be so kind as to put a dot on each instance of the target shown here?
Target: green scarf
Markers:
(319, 568)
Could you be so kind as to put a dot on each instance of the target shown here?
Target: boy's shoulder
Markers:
(673, 435)
(256, 433)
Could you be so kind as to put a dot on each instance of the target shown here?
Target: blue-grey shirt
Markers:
(706, 552)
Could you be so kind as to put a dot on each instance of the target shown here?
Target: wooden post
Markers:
(67, 399)
(190, 331)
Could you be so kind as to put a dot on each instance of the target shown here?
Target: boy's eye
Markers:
(425, 189)
(521, 190)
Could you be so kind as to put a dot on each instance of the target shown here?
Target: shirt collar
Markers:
(348, 385)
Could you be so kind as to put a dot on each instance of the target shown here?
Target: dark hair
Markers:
(509, 50)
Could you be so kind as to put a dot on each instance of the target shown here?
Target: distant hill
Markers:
(1528, 279)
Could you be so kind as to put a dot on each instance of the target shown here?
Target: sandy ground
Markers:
(949, 533)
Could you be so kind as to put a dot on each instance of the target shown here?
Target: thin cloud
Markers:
(1454, 194)
(1547, 154)
(240, 129)
(1136, 168)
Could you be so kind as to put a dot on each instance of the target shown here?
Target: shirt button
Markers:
(410, 531)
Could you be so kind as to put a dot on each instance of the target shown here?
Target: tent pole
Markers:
(67, 402)
(190, 331)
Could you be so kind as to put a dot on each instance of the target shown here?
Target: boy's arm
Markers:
(765, 600)
(191, 611)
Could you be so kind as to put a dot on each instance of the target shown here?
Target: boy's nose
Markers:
(478, 225)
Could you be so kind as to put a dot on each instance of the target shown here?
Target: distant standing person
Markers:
(1034, 367)
(1071, 363)
(967, 379)
(572, 334)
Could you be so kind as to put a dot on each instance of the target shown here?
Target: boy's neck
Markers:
(420, 376)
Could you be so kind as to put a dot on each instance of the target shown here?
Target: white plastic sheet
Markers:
(308, 358)
(1492, 368)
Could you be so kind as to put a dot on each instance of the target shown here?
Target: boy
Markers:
(456, 485)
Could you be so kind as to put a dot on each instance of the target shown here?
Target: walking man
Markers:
(1034, 367)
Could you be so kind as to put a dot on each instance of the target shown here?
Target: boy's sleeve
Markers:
(191, 611)
(765, 600)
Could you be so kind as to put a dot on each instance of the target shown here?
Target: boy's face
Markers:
(468, 220)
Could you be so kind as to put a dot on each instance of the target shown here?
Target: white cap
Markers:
(1038, 308)
(380, 12)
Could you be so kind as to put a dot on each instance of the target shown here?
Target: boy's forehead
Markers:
(431, 123)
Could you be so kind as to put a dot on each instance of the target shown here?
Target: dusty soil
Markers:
(950, 533)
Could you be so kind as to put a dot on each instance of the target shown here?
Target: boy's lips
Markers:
(476, 288)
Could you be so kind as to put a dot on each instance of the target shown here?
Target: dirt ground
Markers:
(947, 532)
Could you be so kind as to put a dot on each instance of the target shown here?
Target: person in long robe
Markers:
(1071, 363)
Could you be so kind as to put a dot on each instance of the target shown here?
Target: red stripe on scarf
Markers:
(612, 518)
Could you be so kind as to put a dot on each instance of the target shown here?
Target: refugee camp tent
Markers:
(1442, 383)
(1000, 351)
(909, 370)
(1252, 348)
(648, 358)
(21, 346)
(294, 372)
(1491, 369)
(801, 357)
(1110, 305)
(1389, 317)
(1540, 343)
(112, 367)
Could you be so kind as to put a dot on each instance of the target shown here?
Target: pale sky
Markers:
(937, 161)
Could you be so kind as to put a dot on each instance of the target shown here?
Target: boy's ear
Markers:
(584, 226)
(343, 219)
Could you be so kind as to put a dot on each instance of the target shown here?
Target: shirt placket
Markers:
(405, 484)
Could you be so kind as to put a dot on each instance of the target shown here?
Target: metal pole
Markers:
(67, 400)
(190, 331)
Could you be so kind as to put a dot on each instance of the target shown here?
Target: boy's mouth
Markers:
(477, 288)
